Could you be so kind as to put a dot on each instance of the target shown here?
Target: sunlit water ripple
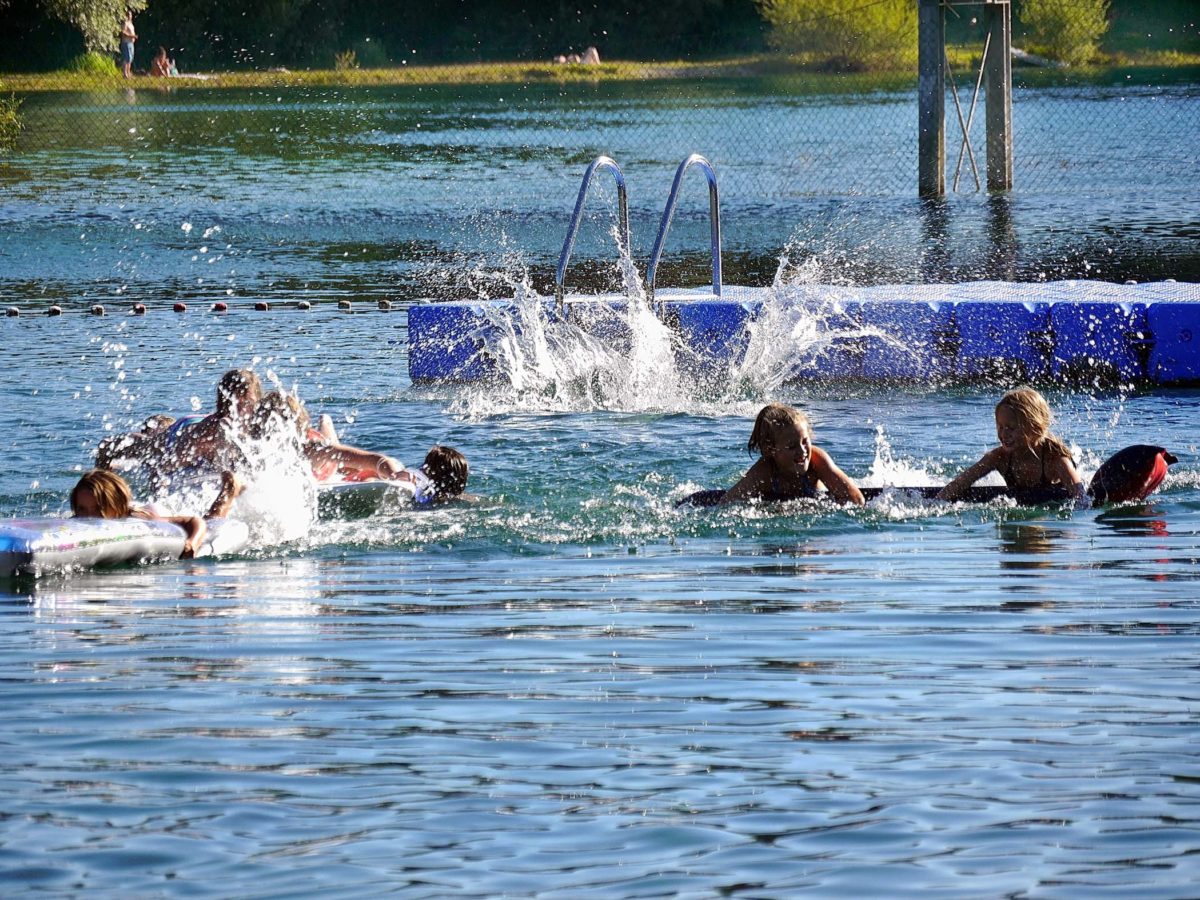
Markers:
(576, 689)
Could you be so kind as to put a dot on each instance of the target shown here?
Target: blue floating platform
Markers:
(1048, 332)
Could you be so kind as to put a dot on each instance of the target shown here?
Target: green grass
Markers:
(791, 74)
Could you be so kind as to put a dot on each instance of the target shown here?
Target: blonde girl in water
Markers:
(1029, 456)
(790, 466)
(102, 494)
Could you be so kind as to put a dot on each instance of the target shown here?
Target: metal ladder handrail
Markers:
(600, 162)
(714, 212)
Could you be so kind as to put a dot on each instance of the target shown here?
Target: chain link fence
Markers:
(1100, 113)
(274, 183)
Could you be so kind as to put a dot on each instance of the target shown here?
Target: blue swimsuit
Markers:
(807, 491)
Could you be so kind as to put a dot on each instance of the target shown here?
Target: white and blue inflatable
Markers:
(37, 546)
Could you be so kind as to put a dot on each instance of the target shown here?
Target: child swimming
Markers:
(790, 467)
(103, 494)
(1029, 456)
(442, 477)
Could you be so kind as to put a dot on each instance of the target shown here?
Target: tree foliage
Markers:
(1066, 30)
(844, 33)
(98, 20)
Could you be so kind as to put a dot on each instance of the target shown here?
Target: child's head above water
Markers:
(278, 410)
(448, 470)
(1027, 411)
(238, 393)
(775, 422)
(101, 494)
(1023, 417)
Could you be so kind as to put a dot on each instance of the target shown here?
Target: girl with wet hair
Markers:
(102, 494)
(790, 466)
(1029, 456)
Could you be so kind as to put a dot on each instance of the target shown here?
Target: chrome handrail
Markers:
(714, 212)
(600, 162)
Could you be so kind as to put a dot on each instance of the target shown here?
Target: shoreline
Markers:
(792, 74)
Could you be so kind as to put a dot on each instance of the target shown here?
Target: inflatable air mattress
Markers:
(40, 545)
(358, 499)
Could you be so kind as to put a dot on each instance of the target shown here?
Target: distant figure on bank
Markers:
(1029, 456)
(790, 466)
(162, 66)
(101, 494)
(128, 37)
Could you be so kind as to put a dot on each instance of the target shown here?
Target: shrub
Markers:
(10, 123)
(345, 60)
(845, 34)
(94, 63)
(370, 53)
(1066, 30)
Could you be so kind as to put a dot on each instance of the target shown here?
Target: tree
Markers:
(98, 20)
(847, 33)
(1066, 30)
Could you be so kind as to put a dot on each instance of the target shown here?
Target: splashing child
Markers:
(102, 494)
(1029, 456)
(790, 467)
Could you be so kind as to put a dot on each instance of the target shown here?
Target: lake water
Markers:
(573, 689)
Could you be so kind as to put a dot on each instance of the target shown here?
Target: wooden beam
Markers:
(931, 99)
(997, 19)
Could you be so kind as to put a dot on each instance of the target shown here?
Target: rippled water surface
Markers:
(573, 689)
(577, 689)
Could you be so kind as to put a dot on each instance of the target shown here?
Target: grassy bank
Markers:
(790, 74)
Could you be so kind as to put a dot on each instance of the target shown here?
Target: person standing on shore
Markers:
(128, 36)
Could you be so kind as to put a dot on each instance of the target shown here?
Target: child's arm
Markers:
(836, 482)
(193, 527)
(749, 486)
(231, 487)
(969, 476)
(1062, 471)
(348, 457)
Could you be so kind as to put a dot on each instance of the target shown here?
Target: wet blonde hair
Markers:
(1034, 419)
(112, 494)
(235, 384)
(282, 407)
(771, 417)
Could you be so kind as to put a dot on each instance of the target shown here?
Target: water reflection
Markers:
(1026, 549)
(1002, 234)
(1134, 520)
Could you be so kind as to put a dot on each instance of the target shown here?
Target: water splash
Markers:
(613, 353)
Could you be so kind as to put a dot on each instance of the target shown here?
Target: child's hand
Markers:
(390, 468)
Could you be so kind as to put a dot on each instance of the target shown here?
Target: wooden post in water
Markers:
(931, 99)
(997, 19)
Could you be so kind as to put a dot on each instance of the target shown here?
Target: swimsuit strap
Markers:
(1007, 474)
(807, 490)
(171, 435)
